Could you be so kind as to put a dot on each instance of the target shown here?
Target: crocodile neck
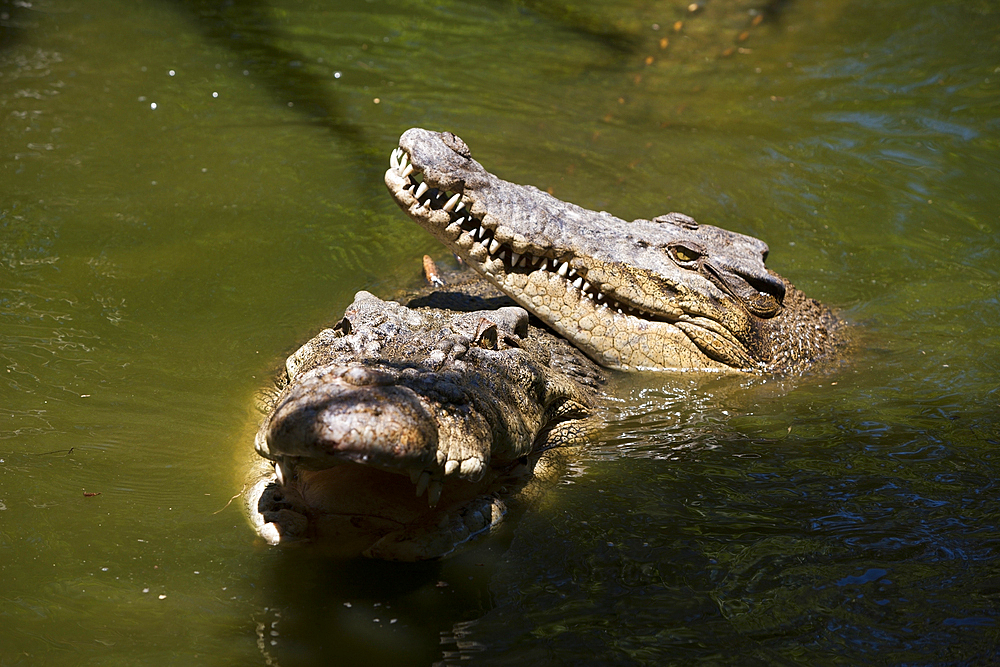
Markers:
(665, 293)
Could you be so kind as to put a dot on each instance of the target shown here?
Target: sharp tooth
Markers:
(450, 204)
(494, 246)
(281, 473)
(578, 283)
(434, 492)
(480, 233)
(460, 206)
(587, 287)
(514, 258)
(423, 482)
(563, 269)
(600, 297)
(394, 159)
(407, 170)
(421, 190)
(451, 466)
(545, 264)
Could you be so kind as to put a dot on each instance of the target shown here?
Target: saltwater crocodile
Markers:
(397, 402)
(394, 403)
(666, 293)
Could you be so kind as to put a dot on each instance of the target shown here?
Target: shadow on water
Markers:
(361, 612)
(248, 30)
(13, 18)
(572, 17)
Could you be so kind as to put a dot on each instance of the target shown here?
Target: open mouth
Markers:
(287, 469)
(476, 240)
(352, 509)
(559, 277)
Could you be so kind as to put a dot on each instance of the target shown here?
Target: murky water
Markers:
(189, 189)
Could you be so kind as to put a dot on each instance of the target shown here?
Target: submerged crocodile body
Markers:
(395, 403)
(657, 294)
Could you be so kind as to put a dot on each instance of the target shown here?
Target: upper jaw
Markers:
(455, 214)
(471, 211)
(349, 415)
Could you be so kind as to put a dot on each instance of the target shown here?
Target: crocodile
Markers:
(403, 431)
(661, 294)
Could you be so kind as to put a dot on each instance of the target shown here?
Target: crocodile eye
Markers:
(684, 255)
(486, 335)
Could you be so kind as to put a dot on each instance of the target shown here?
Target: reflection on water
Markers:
(158, 263)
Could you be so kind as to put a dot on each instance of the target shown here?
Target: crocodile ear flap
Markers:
(486, 335)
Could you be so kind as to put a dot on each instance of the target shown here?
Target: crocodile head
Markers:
(398, 426)
(666, 293)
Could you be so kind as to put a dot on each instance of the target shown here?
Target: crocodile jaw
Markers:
(601, 305)
(400, 430)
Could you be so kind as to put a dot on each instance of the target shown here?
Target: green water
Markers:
(156, 264)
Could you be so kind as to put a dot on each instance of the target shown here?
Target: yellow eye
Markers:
(684, 255)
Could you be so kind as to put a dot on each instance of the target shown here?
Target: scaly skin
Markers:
(394, 403)
(661, 294)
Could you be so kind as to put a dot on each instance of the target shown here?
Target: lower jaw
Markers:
(351, 507)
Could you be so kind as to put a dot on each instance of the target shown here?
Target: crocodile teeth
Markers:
(515, 258)
(423, 483)
(283, 472)
(450, 204)
(394, 159)
(421, 190)
(578, 283)
(471, 467)
(407, 170)
(434, 492)
(451, 466)
(460, 206)
(494, 246)
(563, 269)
